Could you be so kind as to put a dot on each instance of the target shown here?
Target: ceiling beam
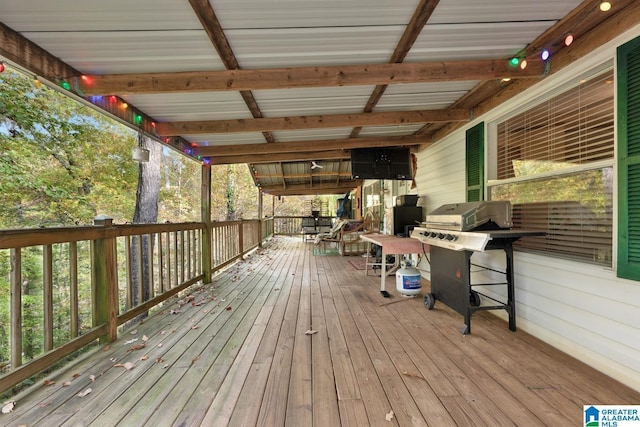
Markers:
(311, 122)
(281, 157)
(308, 189)
(297, 77)
(413, 29)
(207, 16)
(309, 146)
(594, 29)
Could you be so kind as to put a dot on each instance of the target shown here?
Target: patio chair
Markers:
(332, 236)
(309, 228)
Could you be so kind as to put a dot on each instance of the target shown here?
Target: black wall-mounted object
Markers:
(381, 163)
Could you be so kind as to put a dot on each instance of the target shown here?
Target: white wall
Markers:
(582, 309)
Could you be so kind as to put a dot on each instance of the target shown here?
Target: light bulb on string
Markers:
(568, 39)
(514, 61)
(523, 64)
(2, 68)
(605, 6)
(37, 83)
(65, 85)
(545, 54)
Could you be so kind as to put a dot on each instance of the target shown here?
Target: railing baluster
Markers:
(73, 288)
(47, 295)
(16, 307)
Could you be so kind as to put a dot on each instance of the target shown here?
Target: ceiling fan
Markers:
(315, 165)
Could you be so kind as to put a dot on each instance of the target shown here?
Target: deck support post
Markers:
(205, 216)
(105, 282)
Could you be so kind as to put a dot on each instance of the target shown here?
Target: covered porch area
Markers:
(286, 337)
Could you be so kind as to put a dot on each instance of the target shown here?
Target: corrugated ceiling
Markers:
(161, 36)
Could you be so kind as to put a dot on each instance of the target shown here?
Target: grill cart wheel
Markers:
(474, 299)
(429, 300)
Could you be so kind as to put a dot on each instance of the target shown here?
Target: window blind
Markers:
(546, 143)
(573, 128)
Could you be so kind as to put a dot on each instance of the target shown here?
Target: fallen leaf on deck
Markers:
(145, 357)
(174, 311)
(195, 359)
(66, 384)
(145, 338)
(8, 407)
(84, 393)
(74, 376)
(310, 332)
(128, 366)
(160, 345)
(134, 332)
(113, 359)
(389, 416)
(228, 308)
(195, 327)
(165, 366)
(163, 332)
(136, 347)
(44, 404)
(92, 378)
(159, 360)
(49, 382)
(130, 341)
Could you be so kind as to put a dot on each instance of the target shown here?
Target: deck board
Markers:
(254, 364)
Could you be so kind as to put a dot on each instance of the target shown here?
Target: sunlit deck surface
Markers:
(287, 337)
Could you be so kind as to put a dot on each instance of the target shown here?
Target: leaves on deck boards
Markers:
(8, 407)
(84, 393)
(128, 365)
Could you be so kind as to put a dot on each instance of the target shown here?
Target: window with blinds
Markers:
(555, 165)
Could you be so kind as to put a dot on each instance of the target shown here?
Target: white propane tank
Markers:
(408, 279)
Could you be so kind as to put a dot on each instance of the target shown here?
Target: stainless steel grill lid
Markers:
(470, 215)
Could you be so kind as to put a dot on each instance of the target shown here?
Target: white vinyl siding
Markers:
(580, 308)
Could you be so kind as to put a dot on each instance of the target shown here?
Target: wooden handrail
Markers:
(174, 261)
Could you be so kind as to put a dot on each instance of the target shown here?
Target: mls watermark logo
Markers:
(611, 415)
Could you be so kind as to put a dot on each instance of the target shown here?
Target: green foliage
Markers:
(61, 162)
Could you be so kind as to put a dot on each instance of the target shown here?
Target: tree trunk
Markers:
(146, 212)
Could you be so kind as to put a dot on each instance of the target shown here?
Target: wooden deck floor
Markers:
(239, 353)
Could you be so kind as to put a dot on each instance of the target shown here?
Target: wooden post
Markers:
(260, 218)
(105, 282)
(205, 216)
(47, 295)
(241, 238)
(16, 307)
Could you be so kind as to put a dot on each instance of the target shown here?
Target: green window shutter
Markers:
(474, 163)
(629, 160)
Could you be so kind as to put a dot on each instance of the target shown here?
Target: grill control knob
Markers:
(440, 236)
(450, 237)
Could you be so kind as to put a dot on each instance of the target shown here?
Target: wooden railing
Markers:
(74, 287)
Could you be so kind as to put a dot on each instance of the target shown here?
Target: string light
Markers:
(605, 5)
(1, 67)
(523, 64)
(514, 61)
(568, 39)
(545, 54)
(37, 83)
(65, 84)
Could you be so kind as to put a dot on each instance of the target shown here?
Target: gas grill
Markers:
(448, 226)
(454, 232)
